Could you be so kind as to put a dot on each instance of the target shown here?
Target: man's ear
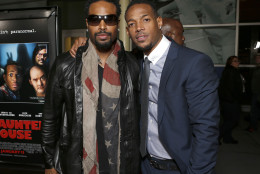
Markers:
(86, 22)
(127, 32)
(118, 23)
(30, 82)
(159, 22)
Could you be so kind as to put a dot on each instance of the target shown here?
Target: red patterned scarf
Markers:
(110, 96)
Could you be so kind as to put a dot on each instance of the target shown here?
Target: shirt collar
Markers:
(160, 49)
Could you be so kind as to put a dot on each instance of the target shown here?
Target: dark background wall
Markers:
(72, 11)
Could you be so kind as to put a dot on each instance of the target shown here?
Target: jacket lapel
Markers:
(168, 69)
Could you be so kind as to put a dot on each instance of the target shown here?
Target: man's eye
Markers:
(11, 75)
(131, 25)
(146, 20)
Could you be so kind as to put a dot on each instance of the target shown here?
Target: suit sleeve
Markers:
(51, 117)
(203, 110)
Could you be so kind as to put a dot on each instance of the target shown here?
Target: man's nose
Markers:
(14, 78)
(39, 83)
(102, 25)
(139, 26)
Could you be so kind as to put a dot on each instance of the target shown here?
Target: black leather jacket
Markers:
(62, 122)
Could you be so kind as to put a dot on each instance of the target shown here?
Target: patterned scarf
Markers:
(110, 92)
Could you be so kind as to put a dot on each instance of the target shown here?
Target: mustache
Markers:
(103, 32)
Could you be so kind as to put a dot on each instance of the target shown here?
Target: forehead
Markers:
(11, 68)
(36, 71)
(138, 11)
(43, 50)
(102, 8)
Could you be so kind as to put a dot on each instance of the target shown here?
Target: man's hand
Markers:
(51, 171)
(77, 43)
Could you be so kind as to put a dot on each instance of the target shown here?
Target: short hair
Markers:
(230, 59)
(36, 66)
(152, 5)
(19, 67)
(115, 2)
(36, 50)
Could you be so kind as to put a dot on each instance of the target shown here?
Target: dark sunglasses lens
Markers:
(111, 20)
(93, 20)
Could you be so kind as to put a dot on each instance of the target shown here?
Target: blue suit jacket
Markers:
(188, 110)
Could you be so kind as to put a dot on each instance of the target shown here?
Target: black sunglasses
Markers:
(95, 20)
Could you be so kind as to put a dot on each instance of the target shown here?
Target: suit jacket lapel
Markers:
(168, 70)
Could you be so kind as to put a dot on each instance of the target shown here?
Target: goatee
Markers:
(104, 46)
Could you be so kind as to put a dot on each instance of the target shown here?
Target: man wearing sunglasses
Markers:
(91, 120)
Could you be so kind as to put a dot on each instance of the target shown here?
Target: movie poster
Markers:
(23, 80)
(25, 51)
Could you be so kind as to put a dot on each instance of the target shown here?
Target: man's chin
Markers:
(14, 89)
(145, 47)
(104, 45)
(40, 91)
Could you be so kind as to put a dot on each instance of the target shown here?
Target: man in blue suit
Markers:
(179, 132)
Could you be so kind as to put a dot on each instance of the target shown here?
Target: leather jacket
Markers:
(62, 121)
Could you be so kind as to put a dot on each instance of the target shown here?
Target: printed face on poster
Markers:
(25, 55)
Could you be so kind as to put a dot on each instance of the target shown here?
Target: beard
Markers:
(146, 48)
(106, 46)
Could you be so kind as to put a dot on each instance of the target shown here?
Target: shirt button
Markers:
(149, 138)
(150, 86)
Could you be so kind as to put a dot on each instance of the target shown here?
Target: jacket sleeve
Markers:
(203, 110)
(51, 117)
